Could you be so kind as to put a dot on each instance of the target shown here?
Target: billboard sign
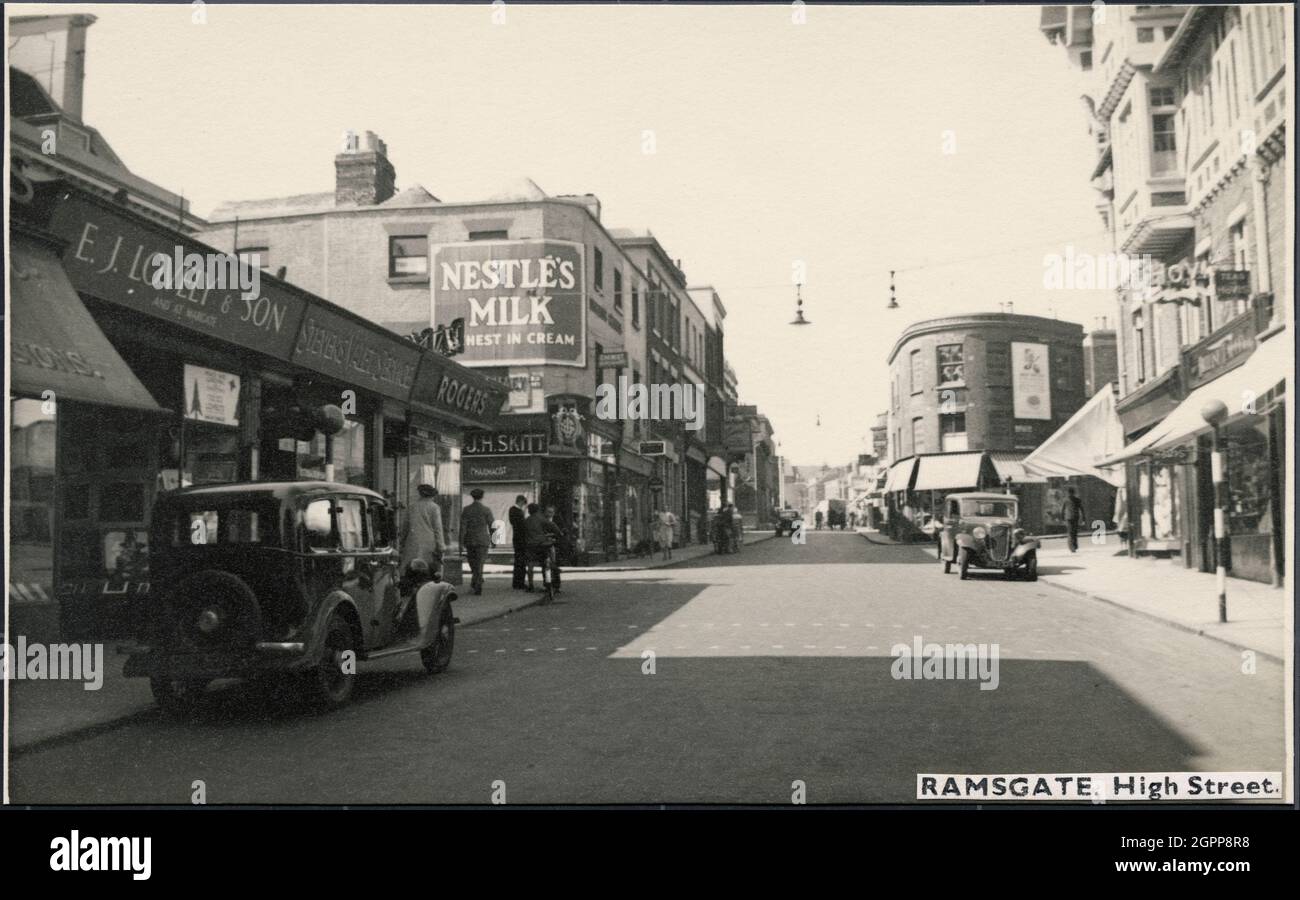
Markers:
(523, 302)
(1031, 381)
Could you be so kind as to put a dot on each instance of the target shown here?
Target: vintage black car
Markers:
(787, 520)
(294, 578)
(981, 530)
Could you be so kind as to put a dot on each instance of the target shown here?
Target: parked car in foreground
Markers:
(981, 530)
(291, 579)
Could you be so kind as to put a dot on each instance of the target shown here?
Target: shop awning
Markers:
(1266, 368)
(948, 471)
(1091, 435)
(55, 345)
(900, 475)
(1012, 465)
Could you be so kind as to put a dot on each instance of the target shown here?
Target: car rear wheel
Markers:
(177, 697)
(437, 656)
(963, 562)
(331, 681)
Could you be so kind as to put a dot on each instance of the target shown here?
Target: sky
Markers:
(946, 143)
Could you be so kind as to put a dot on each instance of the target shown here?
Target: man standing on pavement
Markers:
(557, 537)
(538, 539)
(1072, 513)
(423, 537)
(476, 537)
(520, 540)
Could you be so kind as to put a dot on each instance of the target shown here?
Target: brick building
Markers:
(1187, 107)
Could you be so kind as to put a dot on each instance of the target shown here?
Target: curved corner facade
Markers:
(990, 381)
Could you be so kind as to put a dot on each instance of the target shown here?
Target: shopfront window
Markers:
(31, 500)
(417, 456)
(1249, 478)
(347, 451)
(211, 454)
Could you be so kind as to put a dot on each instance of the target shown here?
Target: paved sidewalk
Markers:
(45, 711)
(1165, 590)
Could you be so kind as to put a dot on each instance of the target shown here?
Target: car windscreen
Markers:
(212, 525)
(1001, 509)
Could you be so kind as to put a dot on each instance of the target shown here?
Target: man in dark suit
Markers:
(520, 540)
(476, 537)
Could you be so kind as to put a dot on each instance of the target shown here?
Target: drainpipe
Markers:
(1263, 277)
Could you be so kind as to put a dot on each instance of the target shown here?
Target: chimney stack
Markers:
(363, 176)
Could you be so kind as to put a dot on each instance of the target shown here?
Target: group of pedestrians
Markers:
(536, 536)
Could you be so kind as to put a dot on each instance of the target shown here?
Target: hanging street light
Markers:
(798, 307)
(893, 300)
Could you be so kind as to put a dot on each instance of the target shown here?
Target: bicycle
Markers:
(548, 563)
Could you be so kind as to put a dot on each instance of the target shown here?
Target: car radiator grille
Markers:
(999, 541)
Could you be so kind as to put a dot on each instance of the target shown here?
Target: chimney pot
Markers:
(363, 177)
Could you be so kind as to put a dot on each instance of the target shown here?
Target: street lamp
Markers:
(798, 307)
(1215, 412)
(893, 300)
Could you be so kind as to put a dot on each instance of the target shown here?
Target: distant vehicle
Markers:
(981, 530)
(787, 521)
(283, 578)
(837, 514)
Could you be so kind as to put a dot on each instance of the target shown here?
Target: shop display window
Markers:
(1249, 477)
(31, 499)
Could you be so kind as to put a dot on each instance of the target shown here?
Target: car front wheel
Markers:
(963, 562)
(1031, 568)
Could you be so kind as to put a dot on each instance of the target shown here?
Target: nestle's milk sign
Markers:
(523, 302)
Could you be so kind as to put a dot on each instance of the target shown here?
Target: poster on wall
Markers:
(1030, 381)
(523, 302)
(211, 396)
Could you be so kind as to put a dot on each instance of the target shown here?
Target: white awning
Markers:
(1091, 435)
(948, 471)
(1012, 465)
(1266, 368)
(900, 475)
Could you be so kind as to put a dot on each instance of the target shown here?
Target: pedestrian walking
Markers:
(476, 537)
(737, 529)
(518, 513)
(665, 522)
(817, 518)
(1072, 513)
(422, 536)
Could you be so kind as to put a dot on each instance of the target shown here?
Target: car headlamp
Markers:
(979, 532)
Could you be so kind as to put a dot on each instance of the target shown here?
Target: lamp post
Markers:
(1214, 413)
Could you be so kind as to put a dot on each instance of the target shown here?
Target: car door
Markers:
(358, 564)
(383, 569)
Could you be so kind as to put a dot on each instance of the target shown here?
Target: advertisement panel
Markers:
(523, 302)
(1031, 381)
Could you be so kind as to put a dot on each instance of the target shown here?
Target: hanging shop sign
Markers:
(612, 360)
(1030, 381)
(1232, 284)
(653, 448)
(211, 396)
(110, 255)
(568, 424)
(523, 302)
